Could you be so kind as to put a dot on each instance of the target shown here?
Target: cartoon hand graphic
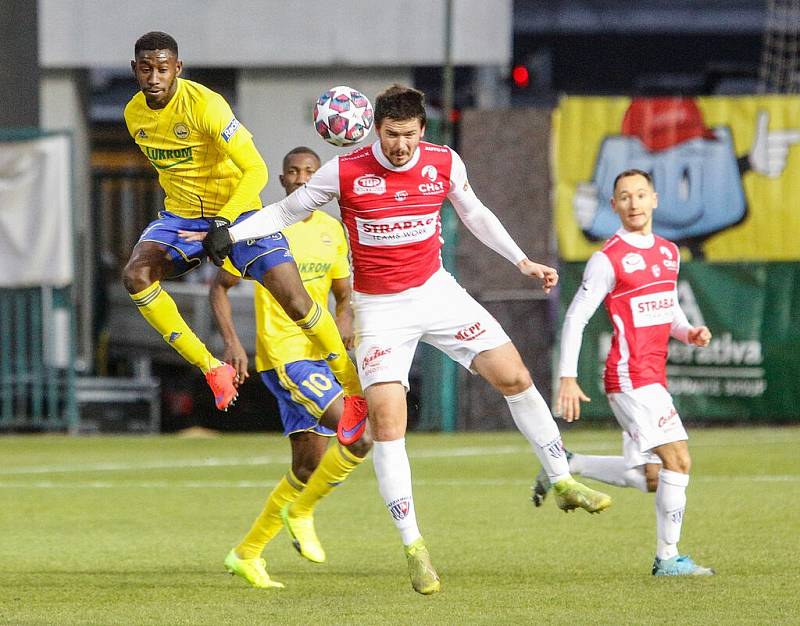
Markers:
(585, 203)
(771, 148)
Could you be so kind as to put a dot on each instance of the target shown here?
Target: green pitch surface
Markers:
(134, 531)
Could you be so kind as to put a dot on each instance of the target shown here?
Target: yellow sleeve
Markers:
(254, 178)
(341, 266)
(233, 139)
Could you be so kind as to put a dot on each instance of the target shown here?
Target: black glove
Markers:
(218, 242)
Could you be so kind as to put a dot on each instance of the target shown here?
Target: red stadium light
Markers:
(521, 76)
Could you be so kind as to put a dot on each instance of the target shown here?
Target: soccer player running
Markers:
(293, 369)
(212, 174)
(635, 276)
(390, 195)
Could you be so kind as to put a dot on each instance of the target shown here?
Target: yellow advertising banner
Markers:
(726, 169)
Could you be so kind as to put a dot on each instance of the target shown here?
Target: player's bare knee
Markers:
(297, 306)
(303, 468)
(137, 276)
(652, 482)
(678, 463)
(516, 381)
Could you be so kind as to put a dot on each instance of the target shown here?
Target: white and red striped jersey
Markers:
(393, 217)
(635, 276)
(392, 214)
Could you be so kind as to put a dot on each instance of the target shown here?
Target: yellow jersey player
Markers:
(292, 368)
(212, 174)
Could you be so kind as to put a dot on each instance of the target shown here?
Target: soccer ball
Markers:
(343, 116)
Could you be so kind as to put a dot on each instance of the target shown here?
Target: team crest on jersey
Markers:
(430, 172)
(141, 134)
(326, 239)
(656, 270)
(632, 262)
(181, 130)
(369, 183)
(401, 195)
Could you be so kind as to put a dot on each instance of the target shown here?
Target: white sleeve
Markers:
(480, 221)
(321, 188)
(598, 281)
(680, 327)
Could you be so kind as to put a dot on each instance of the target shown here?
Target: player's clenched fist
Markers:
(548, 275)
(218, 242)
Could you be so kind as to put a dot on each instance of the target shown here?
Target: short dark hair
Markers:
(300, 150)
(634, 172)
(156, 40)
(400, 103)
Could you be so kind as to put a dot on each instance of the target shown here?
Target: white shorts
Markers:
(633, 457)
(440, 312)
(648, 415)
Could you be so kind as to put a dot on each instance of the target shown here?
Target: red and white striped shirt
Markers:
(392, 214)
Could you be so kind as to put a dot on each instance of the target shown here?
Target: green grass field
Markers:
(123, 530)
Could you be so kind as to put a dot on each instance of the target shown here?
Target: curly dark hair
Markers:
(300, 150)
(156, 40)
(400, 103)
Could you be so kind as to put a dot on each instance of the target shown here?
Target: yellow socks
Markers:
(320, 328)
(268, 523)
(336, 465)
(159, 309)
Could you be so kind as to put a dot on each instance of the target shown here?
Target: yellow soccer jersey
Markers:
(188, 142)
(319, 247)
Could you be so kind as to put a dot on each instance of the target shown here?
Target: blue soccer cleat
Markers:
(680, 566)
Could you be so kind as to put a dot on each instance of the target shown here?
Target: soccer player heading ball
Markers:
(390, 195)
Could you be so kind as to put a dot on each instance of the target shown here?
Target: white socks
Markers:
(608, 469)
(670, 504)
(394, 482)
(534, 420)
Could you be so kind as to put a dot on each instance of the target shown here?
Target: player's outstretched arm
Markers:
(547, 274)
(569, 398)
(320, 189)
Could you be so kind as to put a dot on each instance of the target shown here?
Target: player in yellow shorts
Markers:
(212, 174)
(309, 398)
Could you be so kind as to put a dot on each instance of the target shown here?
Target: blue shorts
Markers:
(305, 390)
(252, 258)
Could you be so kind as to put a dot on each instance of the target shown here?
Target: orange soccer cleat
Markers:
(222, 380)
(353, 421)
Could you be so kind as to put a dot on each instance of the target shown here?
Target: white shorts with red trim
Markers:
(648, 415)
(440, 312)
(633, 457)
